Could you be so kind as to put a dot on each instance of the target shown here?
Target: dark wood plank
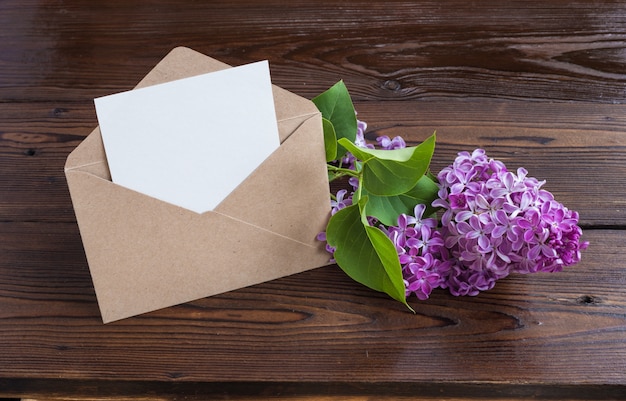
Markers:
(35, 140)
(318, 392)
(285, 391)
(561, 50)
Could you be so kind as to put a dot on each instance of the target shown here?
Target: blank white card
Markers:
(191, 142)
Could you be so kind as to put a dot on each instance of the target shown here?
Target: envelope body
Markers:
(145, 254)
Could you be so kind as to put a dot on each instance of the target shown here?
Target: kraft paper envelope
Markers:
(145, 254)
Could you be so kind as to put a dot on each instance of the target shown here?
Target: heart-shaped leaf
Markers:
(392, 172)
(336, 106)
(388, 208)
(364, 252)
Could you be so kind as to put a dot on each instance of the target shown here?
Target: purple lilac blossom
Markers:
(348, 159)
(340, 201)
(390, 144)
(418, 243)
(496, 222)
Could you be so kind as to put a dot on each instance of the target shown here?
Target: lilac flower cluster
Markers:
(419, 245)
(494, 222)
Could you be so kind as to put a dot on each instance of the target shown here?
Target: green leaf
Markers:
(336, 106)
(330, 140)
(365, 253)
(392, 172)
(392, 283)
(387, 208)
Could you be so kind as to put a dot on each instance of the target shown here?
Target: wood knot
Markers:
(588, 300)
(392, 85)
(59, 111)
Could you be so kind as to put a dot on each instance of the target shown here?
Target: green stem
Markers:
(343, 171)
(357, 195)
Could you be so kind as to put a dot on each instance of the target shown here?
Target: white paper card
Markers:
(192, 141)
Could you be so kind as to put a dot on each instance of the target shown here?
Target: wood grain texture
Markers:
(563, 50)
(537, 84)
(551, 140)
(314, 327)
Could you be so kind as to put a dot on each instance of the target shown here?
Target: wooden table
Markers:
(536, 84)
